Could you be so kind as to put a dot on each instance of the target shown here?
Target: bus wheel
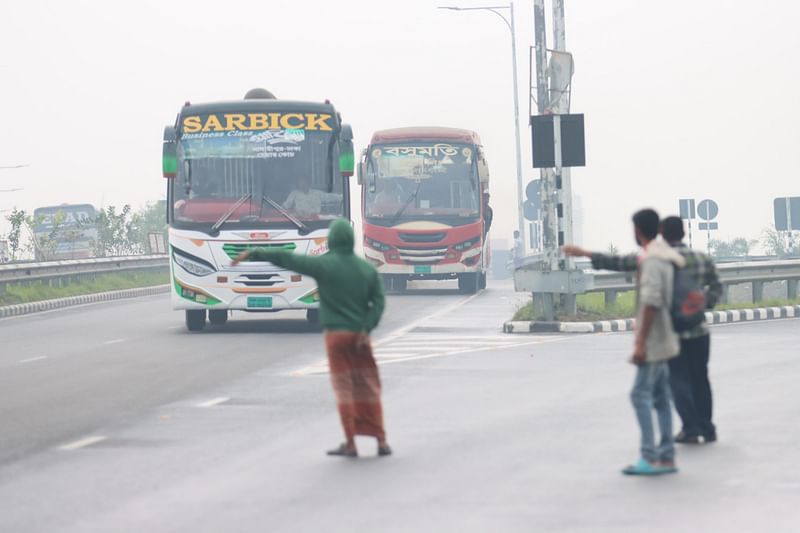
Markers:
(195, 319)
(482, 280)
(468, 282)
(400, 284)
(312, 316)
(218, 317)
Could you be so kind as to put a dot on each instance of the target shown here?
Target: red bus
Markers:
(423, 206)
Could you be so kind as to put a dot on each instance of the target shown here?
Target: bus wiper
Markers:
(218, 224)
(408, 203)
(302, 228)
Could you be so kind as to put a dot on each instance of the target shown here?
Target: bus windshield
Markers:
(249, 172)
(414, 181)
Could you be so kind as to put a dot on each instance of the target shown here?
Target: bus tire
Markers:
(218, 317)
(482, 280)
(312, 316)
(468, 282)
(400, 284)
(195, 319)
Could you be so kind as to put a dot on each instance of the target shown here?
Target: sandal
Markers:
(384, 450)
(643, 467)
(343, 451)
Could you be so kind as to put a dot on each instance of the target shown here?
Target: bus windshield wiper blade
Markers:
(408, 203)
(279, 208)
(218, 224)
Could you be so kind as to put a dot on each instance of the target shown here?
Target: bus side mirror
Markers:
(372, 178)
(346, 151)
(169, 157)
(362, 166)
(483, 170)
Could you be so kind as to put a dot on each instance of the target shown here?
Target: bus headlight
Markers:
(466, 245)
(191, 264)
(372, 243)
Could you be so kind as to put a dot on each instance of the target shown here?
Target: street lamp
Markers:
(510, 23)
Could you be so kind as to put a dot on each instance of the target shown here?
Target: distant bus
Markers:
(423, 213)
(66, 231)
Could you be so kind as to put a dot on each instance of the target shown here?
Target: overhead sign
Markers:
(572, 140)
(787, 213)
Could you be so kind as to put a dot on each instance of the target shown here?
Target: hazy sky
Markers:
(687, 98)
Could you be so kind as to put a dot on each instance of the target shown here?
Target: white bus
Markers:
(258, 172)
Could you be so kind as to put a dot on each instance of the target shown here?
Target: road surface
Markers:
(116, 419)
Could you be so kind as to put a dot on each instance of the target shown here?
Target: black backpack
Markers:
(688, 301)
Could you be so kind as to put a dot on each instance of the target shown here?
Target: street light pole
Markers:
(512, 28)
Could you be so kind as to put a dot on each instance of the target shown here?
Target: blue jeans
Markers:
(651, 391)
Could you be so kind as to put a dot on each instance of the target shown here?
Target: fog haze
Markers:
(683, 99)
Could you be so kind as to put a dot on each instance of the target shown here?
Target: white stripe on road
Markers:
(114, 341)
(387, 358)
(212, 403)
(399, 332)
(88, 441)
(394, 354)
(32, 359)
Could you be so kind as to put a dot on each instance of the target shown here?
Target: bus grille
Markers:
(259, 280)
(420, 256)
(422, 237)
(232, 250)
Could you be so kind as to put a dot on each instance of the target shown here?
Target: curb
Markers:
(629, 324)
(58, 303)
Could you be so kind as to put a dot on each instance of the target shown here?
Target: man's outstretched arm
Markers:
(619, 263)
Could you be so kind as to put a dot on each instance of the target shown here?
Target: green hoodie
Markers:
(350, 289)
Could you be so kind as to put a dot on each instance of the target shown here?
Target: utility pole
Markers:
(563, 175)
(544, 303)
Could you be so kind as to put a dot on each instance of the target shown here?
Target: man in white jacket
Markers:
(656, 343)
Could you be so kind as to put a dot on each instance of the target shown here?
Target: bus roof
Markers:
(257, 104)
(426, 133)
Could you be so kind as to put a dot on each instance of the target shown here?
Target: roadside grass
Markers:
(19, 294)
(591, 307)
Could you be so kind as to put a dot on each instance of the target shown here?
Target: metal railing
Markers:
(60, 272)
(756, 273)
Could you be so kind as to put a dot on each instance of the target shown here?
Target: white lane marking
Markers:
(31, 359)
(409, 342)
(212, 403)
(82, 443)
(114, 341)
(386, 359)
(399, 332)
(388, 354)
(174, 327)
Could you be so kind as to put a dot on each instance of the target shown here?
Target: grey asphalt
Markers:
(490, 433)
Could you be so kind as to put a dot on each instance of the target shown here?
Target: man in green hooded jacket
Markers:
(351, 305)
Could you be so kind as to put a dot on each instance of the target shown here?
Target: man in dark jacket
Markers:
(351, 305)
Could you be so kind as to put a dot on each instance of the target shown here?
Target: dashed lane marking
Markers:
(82, 443)
(212, 403)
(32, 359)
(114, 341)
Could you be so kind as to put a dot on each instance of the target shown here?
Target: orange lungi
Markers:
(356, 383)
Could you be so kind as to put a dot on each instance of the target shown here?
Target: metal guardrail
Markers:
(756, 272)
(22, 273)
